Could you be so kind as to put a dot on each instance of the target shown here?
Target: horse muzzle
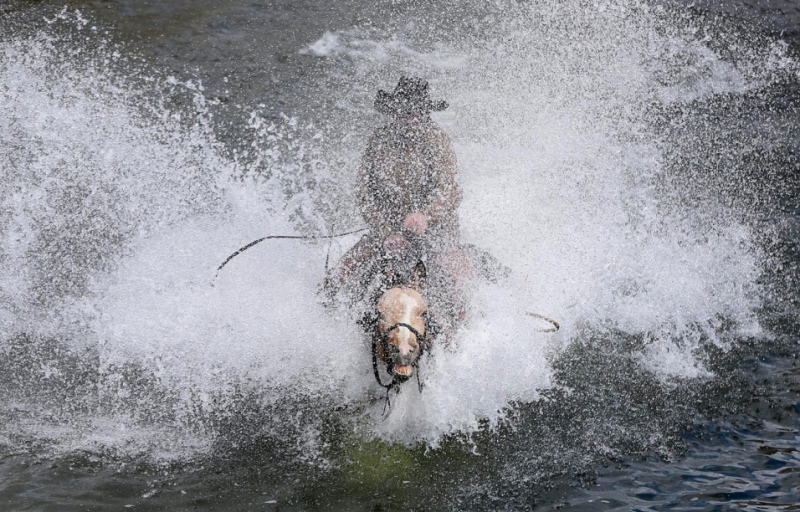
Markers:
(402, 372)
(400, 353)
(403, 365)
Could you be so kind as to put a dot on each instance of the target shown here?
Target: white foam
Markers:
(325, 46)
(262, 318)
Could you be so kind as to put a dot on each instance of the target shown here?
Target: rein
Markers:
(546, 319)
(283, 237)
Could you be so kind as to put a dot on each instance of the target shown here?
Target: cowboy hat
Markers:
(410, 96)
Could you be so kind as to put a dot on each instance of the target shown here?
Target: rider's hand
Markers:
(396, 243)
(416, 223)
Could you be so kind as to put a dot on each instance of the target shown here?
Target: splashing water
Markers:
(565, 182)
(117, 208)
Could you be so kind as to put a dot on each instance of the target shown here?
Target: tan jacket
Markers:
(409, 168)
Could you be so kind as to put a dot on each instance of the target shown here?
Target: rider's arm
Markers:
(446, 195)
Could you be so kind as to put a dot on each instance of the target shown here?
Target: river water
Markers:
(635, 165)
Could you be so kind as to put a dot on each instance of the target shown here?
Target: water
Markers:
(633, 163)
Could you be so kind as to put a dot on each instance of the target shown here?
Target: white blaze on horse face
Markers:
(402, 305)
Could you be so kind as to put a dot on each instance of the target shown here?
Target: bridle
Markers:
(383, 340)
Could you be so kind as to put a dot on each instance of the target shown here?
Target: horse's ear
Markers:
(419, 274)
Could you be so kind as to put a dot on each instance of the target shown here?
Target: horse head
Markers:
(402, 326)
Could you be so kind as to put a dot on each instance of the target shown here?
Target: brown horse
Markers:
(401, 327)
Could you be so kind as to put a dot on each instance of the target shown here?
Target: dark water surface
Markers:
(630, 410)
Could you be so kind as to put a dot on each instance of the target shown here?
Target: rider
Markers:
(408, 194)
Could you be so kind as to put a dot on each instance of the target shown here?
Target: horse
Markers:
(401, 326)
